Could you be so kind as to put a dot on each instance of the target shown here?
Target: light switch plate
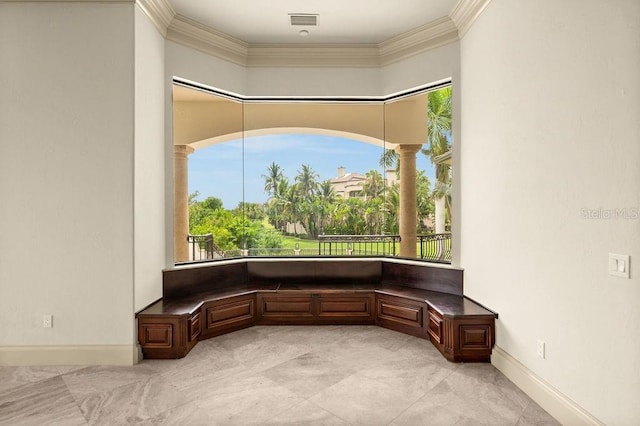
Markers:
(619, 265)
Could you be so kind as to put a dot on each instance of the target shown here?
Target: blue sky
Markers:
(217, 170)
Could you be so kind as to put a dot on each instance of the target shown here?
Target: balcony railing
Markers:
(431, 247)
(202, 247)
(358, 245)
(435, 247)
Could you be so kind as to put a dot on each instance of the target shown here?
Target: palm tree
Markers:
(373, 185)
(307, 180)
(438, 141)
(424, 200)
(439, 129)
(273, 177)
(326, 198)
(390, 160)
(392, 209)
(291, 205)
(272, 181)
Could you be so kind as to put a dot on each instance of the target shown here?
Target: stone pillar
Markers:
(181, 202)
(408, 216)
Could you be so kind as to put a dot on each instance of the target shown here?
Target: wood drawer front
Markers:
(286, 306)
(346, 306)
(475, 337)
(194, 327)
(404, 313)
(156, 335)
(221, 315)
(435, 326)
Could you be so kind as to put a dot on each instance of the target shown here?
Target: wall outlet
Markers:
(540, 348)
(47, 321)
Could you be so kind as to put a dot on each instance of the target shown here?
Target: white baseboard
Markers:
(554, 402)
(69, 355)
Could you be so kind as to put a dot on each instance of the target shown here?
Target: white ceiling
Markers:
(340, 21)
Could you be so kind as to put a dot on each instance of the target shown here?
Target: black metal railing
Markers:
(431, 247)
(435, 247)
(358, 245)
(202, 247)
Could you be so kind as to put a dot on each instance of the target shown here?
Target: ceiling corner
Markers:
(434, 34)
(465, 12)
(193, 34)
(160, 12)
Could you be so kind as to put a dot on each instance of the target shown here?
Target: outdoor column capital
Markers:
(182, 150)
(408, 148)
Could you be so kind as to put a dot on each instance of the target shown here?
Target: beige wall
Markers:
(67, 175)
(149, 162)
(550, 107)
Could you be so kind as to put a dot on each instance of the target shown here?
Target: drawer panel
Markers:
(157, 335)
(435, 326)
(217, 314)
(346, 307)
(299, 306)
(193, 327)
(475, 337)
(406, 316)
(220, 315)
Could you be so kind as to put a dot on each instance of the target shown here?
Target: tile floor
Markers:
(298, 375)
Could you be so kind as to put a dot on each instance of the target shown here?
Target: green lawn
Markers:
(290, 242)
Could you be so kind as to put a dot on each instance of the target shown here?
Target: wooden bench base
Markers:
(467, 337)
(207, 300)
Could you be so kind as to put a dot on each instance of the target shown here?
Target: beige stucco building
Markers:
(347, 185)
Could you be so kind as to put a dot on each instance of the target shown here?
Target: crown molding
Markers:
(193, 34)
(313, 55)
(434, 34)
(160, 12)
(465, 12)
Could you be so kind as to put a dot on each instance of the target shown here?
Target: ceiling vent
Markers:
(304, 19)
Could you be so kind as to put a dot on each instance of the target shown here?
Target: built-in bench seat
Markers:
(205, 301)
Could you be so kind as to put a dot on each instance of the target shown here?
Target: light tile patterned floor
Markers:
(298, 375)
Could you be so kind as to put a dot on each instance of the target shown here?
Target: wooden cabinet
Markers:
(465, 338)
(168, 336)
(229, 314)
(400, 314)
(469, 339)
(315, 308)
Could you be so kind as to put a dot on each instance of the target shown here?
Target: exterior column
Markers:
(408, 216)
(181, 202)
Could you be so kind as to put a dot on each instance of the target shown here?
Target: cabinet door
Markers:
(346, 308)
(406, 316)
(163, 336)
(223, 316)
(285, 308)
(473, 339)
